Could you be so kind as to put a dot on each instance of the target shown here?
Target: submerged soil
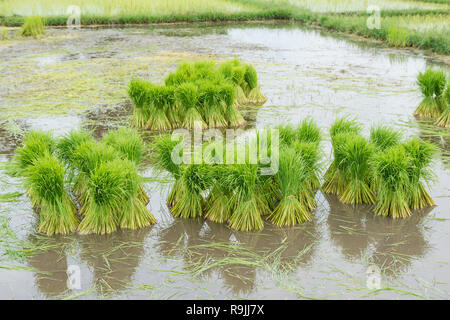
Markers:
(78, 78)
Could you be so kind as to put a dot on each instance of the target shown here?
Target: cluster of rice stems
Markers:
(101, 174)
(238, 194)
(334, 178)
(432, 84)
(421, 155)
(45, 182)
(130, 146)
(391, 172)
(112, 199)
(291, 181)
(381, 170)
(196, 94)
(245, 80)
(32, 27)
(444, 119)
(35, 145)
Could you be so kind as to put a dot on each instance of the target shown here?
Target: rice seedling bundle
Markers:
(248, 200)
(107, 185)
(32, 27)
(186, 96)
(211, 104)
(129, 144)
(195, 180)
(393, 183)
(105, 192)
(444, 119)
(291, 176)
(310, 155)
(432, 84)
(134, 213)
(383, 137)
(45, 182)
(35, 145)
(138, 91)
(419, 172)
(162, 157)
(219, 206)
(245, 79)
(158, 106)
(196, 92)
(355, 155)
(66, 145)
(86, 158)
(334, 180)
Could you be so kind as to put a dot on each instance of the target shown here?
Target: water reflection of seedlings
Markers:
(392, 244)
(347, 228)
(114, 257)
(401, 242)
(50, 259)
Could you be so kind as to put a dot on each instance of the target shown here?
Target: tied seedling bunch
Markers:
(102, 176)
(33, 26)
(383, 170)
(245, 80)
(233, 190)
(444, 119)
(197, 94)
(432, 84)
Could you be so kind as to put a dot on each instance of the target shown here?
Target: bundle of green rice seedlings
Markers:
(227, 99)
(195, 180)
(357, 153)
(129, 144)
(421, 156)
(310, 155)
(234, 72)
(333, 178)
(432, 84)
(159, 101)
(45, 180)
(87, 157)
(134, 213)
(184, 73)
(308, 132)
(138, 91)
(391, 173)
(444, 119)
(162, 148)
(254, 94)
(205, 70)
(171, 108)
(248, 199)
(309, 136)
(238, 80)
(187, 97)
(219, 206)
(68, 143)
(383, 137)
(35, 145)
(287, 134)
(290, 179)
(32, 27)
(210, 100)
(104, 201)
(233, 117)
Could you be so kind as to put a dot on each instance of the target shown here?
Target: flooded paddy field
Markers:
(78, 78)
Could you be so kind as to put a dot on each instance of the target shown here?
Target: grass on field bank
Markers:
(403, 24)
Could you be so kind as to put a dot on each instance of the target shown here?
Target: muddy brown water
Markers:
(345, 252)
